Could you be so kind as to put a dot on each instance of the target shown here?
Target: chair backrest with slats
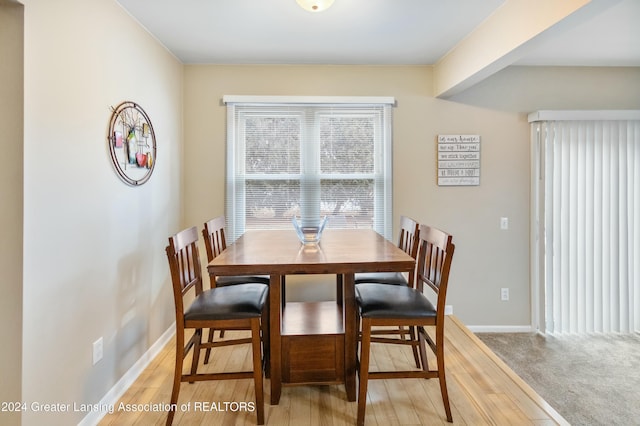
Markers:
(184, 262)
(408, 241)
(434, 263)
(409, 233)
(214, 238)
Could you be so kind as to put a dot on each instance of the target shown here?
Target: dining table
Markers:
(311, 342)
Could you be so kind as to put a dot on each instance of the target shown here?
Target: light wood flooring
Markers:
(482, 391)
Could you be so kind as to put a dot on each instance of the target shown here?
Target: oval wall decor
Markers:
(132, 143)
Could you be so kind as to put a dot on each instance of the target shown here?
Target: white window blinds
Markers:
(308, 157)
(589, 224)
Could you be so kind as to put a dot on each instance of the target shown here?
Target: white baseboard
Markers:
(111, 398)
(501, 328)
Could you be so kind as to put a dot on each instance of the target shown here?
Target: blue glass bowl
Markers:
(309, 234)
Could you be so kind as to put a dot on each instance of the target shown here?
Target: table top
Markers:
(339, 251)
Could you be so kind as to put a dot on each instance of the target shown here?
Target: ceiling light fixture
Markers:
(315, 5)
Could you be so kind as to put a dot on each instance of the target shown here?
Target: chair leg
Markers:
(358, 340)
(365, 347)
(414, 346)
(196, 352)
(423, 348)
(257, 369)
(441, 375)
(177, 376)
(207, 353)
(266, 354)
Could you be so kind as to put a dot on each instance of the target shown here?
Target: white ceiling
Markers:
(380, 32)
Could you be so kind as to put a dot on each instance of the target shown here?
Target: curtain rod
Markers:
(577, 115)
(227, 99)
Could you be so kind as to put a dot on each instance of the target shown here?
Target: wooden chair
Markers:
(385, 305)
(242, 306)
(407, 241)
(215, 243)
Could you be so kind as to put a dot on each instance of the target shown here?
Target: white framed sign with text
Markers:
(458, 160)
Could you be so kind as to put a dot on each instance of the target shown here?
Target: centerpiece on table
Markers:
(309, 230)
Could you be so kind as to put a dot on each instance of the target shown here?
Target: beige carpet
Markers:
(593, 380)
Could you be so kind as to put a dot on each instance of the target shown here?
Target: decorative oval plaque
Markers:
(132, 143)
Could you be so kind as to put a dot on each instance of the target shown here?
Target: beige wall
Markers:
(486, 258)
(528, 89)
(94, 262)
(11, 167)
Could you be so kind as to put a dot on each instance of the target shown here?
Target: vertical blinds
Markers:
(591, 225)
(308, 158)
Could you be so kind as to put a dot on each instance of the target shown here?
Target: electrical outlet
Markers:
(448, 309)
(97, 351)
(504, 223)
(504, 294)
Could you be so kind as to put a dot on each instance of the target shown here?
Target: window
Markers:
(308, 157)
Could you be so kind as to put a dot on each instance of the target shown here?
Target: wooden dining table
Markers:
(311, 342)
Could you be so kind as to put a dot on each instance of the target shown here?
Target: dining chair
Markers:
(408, 242)
(242, 306)
(215, 243)
(385, 305)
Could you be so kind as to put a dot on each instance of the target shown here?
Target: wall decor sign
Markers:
(458, 160)
(132, 143)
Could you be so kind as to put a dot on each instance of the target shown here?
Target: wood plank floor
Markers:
(482, 391)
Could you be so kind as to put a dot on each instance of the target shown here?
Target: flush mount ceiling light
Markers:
(315, 5)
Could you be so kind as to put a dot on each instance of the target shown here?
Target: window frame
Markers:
(240, 108)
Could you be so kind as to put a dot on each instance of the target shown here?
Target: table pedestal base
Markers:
(313, 343)
(313, 359)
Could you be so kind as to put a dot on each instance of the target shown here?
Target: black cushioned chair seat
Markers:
(233, 302)
(385, 301)
(241, 279)
(391, 278)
